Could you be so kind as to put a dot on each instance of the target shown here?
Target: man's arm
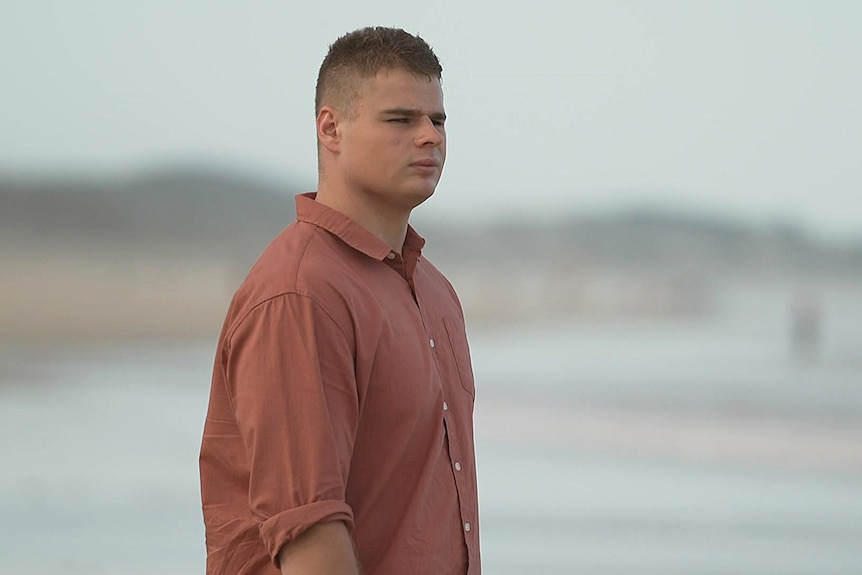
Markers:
(290, 374)
(324, 549)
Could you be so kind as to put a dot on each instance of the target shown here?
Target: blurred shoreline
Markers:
(818, 444)
(576, 416)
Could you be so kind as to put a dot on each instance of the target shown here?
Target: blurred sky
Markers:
(746, 108)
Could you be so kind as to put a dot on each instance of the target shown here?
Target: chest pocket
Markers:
(460, 351)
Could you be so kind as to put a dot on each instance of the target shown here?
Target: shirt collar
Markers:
(310, 211)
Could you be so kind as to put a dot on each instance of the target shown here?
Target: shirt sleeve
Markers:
(290, 376)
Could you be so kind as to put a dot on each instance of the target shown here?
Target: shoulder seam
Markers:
(295, 292)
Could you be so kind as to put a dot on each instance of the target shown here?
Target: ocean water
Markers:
(627, 447)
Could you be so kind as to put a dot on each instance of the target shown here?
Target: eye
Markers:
(399, 120)
(438, 123)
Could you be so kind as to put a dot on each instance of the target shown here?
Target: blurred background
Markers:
(651, 210)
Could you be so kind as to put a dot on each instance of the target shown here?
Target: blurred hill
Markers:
(159, 253)
(154, 255)
(185, 209)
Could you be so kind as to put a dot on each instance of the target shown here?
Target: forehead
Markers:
(401, 89)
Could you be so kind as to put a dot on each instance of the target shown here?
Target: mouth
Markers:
(428, 163)
(428, 167)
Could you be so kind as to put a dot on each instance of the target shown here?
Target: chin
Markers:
(407, 197)
(419, 196)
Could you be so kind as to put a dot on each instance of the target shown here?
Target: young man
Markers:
(339, 436)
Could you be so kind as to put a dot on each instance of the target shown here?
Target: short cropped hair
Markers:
(360, 55)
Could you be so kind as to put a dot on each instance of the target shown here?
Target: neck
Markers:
(383, 220)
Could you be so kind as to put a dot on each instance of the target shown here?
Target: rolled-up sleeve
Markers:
(289, 372)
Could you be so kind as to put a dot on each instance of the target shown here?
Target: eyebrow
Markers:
(413, 113)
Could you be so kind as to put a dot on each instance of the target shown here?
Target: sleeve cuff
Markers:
(286, 526)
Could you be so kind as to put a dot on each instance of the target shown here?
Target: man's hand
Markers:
(324, 549)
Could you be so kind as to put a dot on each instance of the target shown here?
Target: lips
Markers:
(428, 163)
(427, 167)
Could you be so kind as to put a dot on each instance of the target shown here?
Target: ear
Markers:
(329, 128)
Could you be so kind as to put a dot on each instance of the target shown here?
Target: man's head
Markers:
(380, 122)
(359, 56)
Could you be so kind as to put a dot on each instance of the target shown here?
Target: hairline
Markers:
(359, 81)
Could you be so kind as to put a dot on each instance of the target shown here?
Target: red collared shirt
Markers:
(342, 390)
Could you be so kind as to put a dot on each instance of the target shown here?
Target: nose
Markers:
(429, 134)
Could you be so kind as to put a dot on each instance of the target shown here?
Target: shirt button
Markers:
(445, 406)
(390, 256)
(431, 341)
(457, 466)
(467, 527)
